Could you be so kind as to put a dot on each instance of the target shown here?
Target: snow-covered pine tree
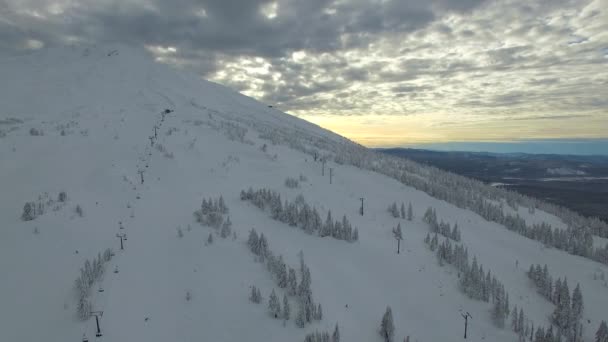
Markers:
(328, 227)
(253, 241)
(402, 210)
(601, 334)
(83, 308)
(210, 239)
(226, 228)
(335, 337)
(222, 205)
(256, 295)
(562, 313)
(393, 210)
(274, 306)
(292, 282)
(410, 212)
(286, 308)
(498, 311)
(520, 321)
(262, 247)
(282, 277)
(356, 234)
(514, 319)
(387, 327)
(577, 303)
(301, 317)
(398, 235)
(319, 313)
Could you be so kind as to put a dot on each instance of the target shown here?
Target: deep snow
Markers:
(107, 107)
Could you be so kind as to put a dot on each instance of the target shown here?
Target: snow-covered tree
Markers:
(402, 210)
(292, 283)
(253, 241)
(398, 235)
(286, 308)
(335, 337)
(83, 308)
(514, 317)
(256, 295)
(387, 327)
(498, 312)
(210, 239)
(319, 313)
(29, 211)
(226, 228)
(602, 333)
(562, 314)
(410, 212)
(577, 303)
(281, 273)
(274, 306)
(393, 210)
(301, 317)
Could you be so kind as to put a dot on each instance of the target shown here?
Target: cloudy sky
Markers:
(382, 72)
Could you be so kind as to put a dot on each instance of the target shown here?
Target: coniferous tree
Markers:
(319, 313)
(286, 308)
(282, 273)
(274, 306)
(292, 283)
(562, 313)
(520, 321)
(410, 212)
(256, 295)
(387, 327)
(498, 312)
(301, 317)
(253, 241)
(577, 303)
(402, 210)
(210, 238)
(83, 309)
(602, 333)
(398, 234)
(514, 319)
(335, 337)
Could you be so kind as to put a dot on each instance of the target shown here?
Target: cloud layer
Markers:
(455, 62)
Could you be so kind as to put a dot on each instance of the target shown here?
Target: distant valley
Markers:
(576, 182)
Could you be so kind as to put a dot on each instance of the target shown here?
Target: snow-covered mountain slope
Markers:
(82, 121)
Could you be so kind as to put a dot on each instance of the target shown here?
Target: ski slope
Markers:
(97, 108)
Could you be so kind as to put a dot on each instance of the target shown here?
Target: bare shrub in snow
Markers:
(188, 295)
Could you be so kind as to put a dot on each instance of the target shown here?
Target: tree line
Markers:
(300, 214)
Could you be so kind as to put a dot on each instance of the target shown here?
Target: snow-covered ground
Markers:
(97, 113)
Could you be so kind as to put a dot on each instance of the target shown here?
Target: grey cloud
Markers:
(361, 54)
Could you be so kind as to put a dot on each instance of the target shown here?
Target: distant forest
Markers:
(579, 183)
